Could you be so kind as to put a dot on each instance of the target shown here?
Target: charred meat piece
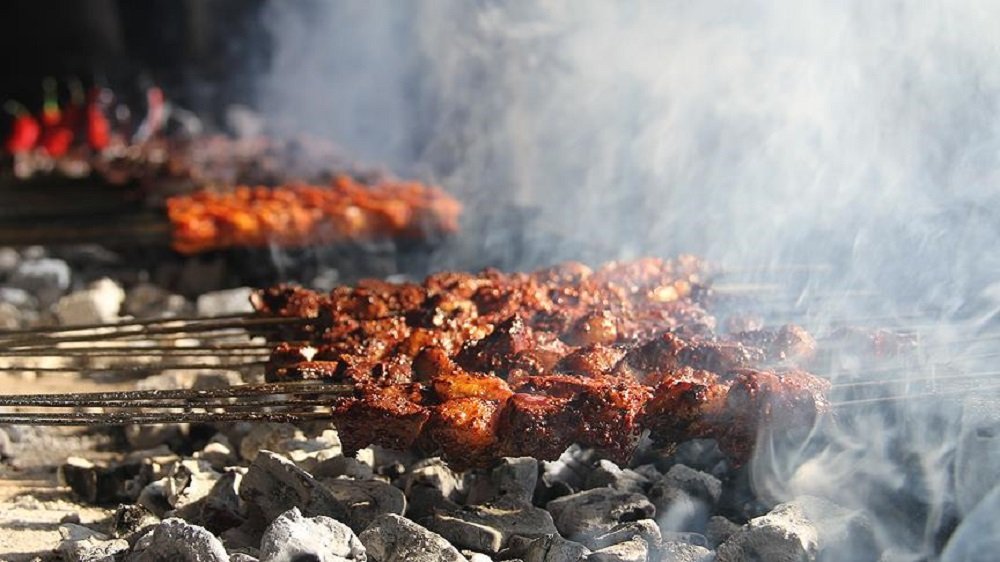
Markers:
(464, 431)
(391, 416)
(786, 343)
(590, 361)
(535, 425)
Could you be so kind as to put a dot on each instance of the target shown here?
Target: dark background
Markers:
(202, 52)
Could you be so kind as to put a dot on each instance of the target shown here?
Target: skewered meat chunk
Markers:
(476, 367)
(302, 215)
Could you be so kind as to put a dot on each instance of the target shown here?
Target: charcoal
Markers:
(229, 301)
(132, 521)
(569, 471)
(685, 498)
(433, 473)
(18, 298)
(632, 550)
(273, 485)
(242, 557)
(366, 500)
(585, 515)
(392, 538)
(553, 548)
(222, 509)
(343, 467)
(698, 484)
(81, 544)
(11, 317)
(719, 529)
(695, 539)
(175, 540)
(608, 474)
(289, 440)
(699, 454)
(476, 556)
(514, 477)
(99, 484)
(218, 452)
(97, 304)
(673, 551)
(9, 258)
(784, 535)
(146, 300)
(645, 529)
(292, 537)
(266, 436)
(189, 483)
(423, 501)
(45, 278)
(489, 527)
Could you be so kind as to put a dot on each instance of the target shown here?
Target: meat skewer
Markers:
(479, 366)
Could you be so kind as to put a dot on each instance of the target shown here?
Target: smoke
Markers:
(863, 136)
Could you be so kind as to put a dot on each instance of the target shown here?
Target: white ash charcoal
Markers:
(242, 557)
(292, 537)
(146, 300)
(81, 544)
(9, 258)
(215, 379)
(608, 474)
(424, 501)
(585, 515)
(476, 556)
(700, 454)
(698, 484)
(784, 535)
(366, 500)
(488, 527)
(685, 498)
(131, 521)
(223, 509)
(175, 540)
(553, 548)
(674, 551)
(266, 436)
(570, 470)
(99, 484)
(978, 453)
(218, 452)
(154, 435)
(229, 301)
(646, 529)
(96, 304)
(289, 440)
(10, 317)
(844, 534)
(719, 529)
(273, 485)
(436, 474)
(19, 298)
(390, 462)
(696, 539)
(391, 538)
(189, 483)
(343, 467)
(514, 477)
(45, 278)
(632, 550)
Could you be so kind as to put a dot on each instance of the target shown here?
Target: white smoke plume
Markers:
(861, 135)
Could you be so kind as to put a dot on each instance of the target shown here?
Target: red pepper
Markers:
(98, 127)
(57, 135)
(24, 132)
(57, 140)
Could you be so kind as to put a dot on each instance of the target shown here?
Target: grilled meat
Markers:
(476, 367)
(301, 215)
